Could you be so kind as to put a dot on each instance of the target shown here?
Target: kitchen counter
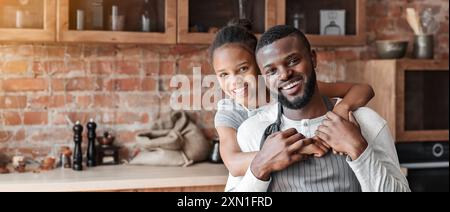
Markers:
(199, 177)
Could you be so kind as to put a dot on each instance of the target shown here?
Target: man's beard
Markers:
(302, 101)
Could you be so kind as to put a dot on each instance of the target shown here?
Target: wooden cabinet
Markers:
(412, 95)
(199, 20)
(306, 14)
(27, 20)
(117, 21)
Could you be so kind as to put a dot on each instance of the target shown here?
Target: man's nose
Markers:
(285, 73)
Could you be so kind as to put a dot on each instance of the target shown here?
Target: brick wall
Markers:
(126, 87)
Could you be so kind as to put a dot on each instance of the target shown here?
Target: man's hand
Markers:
(342, 135)
(281, 150)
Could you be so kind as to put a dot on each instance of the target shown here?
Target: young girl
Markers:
(232, 55)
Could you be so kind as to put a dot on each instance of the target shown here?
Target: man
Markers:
(288, 65)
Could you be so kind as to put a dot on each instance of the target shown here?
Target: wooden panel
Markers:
(167, 36)
(185, 18)
(356, 23)
(47, 34)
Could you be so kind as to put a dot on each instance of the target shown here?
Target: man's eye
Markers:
(243, 69)
(293, 62)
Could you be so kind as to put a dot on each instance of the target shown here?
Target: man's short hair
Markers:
(279, 32)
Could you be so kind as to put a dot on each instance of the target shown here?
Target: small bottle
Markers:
(115, 18)
(299, 21)
(19, 19)
(80, 19)
(145, 18)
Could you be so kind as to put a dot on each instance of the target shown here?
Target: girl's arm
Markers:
(235, 160)
(354, 96)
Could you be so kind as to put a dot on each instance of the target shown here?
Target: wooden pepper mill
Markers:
(91, 151)
(77, 156)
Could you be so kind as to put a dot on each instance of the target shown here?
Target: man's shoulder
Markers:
(370, 121)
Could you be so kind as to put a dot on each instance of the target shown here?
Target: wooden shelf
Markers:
(167, 35)
(355, 20)
(187, 16)
(412, 95)
(43, 32)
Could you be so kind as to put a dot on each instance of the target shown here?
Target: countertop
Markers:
(113, 178)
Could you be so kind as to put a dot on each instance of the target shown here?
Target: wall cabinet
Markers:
(27, 20)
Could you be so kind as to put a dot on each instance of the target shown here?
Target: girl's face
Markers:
(237, 72)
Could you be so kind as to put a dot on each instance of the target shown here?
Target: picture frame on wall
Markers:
(332, 22)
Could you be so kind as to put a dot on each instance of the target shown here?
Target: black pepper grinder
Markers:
(77, 156)
(91, 151)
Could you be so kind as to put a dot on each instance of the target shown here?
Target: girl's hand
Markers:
(342, 110)
(342, 135)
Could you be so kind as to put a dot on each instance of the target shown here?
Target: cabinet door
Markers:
(117, 21)
(27, 20)
(199, 20)
(423, 100)
(326, 22)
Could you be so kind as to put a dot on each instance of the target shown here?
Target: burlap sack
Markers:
(173, 142)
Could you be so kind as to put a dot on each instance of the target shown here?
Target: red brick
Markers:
(82, 102)
(25, 85)
(55, 101)
(131, 101)
(167, 68)
(102, 67)
(35, 118)
(56, 51)
(13, 102)
(60, 118)
(106, 101)
(152, 68)
(11, 118)
(127, 67)
(123, 118)
(12, 136)
(149, 84)
(128, 84)
(15, 67)
(77, 84)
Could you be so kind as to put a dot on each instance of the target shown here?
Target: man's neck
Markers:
(314, 109)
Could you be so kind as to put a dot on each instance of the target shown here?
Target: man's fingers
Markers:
(312, 149)
(294, 138)
(333, 117)
(298, 145)
(317, 139)
(289, 132)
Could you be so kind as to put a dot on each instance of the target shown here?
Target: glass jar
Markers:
(299, 21)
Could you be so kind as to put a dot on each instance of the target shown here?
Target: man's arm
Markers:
(378, 168)
(375, 161)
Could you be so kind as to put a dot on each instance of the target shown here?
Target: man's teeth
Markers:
(287, 87)
(239, 90)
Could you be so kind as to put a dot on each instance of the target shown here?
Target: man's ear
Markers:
(314, 58)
